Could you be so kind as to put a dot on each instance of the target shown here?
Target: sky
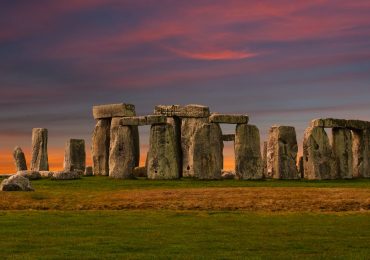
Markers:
(280, 62)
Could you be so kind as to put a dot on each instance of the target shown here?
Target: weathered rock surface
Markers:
(282, 152)
(140, 171)
(248, 160)
(228, 175)
(75, 155)
(360, 153)
(340, 123)
(31, 175)
(66, 175)
(100, 147)
(113, 110)
(207, 153)
(163, 162)
(39, 160)
(122, 153)
(228, 118)
(318, 156)
(342, 147)
(264, 159)
(88, 171)
(46, 174)
(192, 111)
(301, 167)
(143, 120)
(19, 159)
(189, 127)
(16, 183)
(228, 138)
(176, 124)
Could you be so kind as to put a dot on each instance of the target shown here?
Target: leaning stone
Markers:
(46, 174)
(66, 175)
(193, 111)
(122, 159)
(207, 153)
(113, 110)
(75, 155)
(16, 183)
(228, 138)
(100, 147)
(88, 171)
(189, 127)
(228, 175)
(39, 160)
(282, 152)
(228, 119)
(31, 175)
(248, 161)
(19, 159)
(342, 147)
(163, 153)
(318, 156)
(140, 172)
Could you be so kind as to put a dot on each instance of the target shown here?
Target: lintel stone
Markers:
(113, 110)
(143, 120)
(192, 111)
(228, 138)
(340, 123)
(229, 118)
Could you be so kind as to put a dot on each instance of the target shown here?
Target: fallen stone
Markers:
(75, 155)
(122, 151)
(193, 111)
(66, 175)
(163, 162)
(88, 171)
(113, 110)
(39, 160)
(31, 175)
(248, 161)
(342, 147)
(100, 147)
(19, 159)
(228, 175)
(318, 156)
(16, 183)
(228, 118)
(140, 172)
(6, 175)
(46, 174)
(228, 138)
(282, 152)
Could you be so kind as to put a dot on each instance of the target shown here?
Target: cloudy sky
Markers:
(280, 62)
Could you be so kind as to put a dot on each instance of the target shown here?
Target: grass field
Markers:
(97, 218)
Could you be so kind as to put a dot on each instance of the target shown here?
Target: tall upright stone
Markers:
(39, 161)
(176, 124)
(135, 133)
(100, 147)
(342, 147)
(19, 159)
(318, 156)
(207, 152)
(122, 152)
(282, 152)
(75, 155)
(264, 159)
(163, 154)
(248, 161)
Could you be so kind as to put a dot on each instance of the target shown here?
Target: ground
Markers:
(98, 217)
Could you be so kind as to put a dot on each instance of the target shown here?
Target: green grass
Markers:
(183, 235)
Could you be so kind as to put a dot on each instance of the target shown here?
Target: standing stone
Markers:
(39, 160)
(366, 174)
(176, 124)
(189, 127)
(264, 159)
(75, 155)
(19, 159)
(248, 161)
(301, 167)
(207, 154)
(163, 155)
(88, 171)
(282, 152)
(360, 154)
(342, 147)
(122, 152)
(135, 133)
(100, 147)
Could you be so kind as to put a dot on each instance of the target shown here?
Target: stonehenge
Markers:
(39, 161)
(75, 155)
(19, 159)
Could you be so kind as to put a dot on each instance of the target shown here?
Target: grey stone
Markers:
(19, 159)
(31, 175)
(46, 174)
(140, 172)
(88, 171)
(176, 124)
(163, 162)
(156, 119)
(248, 161)
(318, 156)
(301, 167)
(360, 154)
(228, 175)
(228, 138)
(122, 151)
(342, 147)
(113, 110)
(340, 123)
(207, 153)
(228, 118)
(193, 111)
(66, 175)
(100, 147)
(39, 160)
(75, 155)
(16, 183)
(264, 159)
(282, 152)
(135, 120)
